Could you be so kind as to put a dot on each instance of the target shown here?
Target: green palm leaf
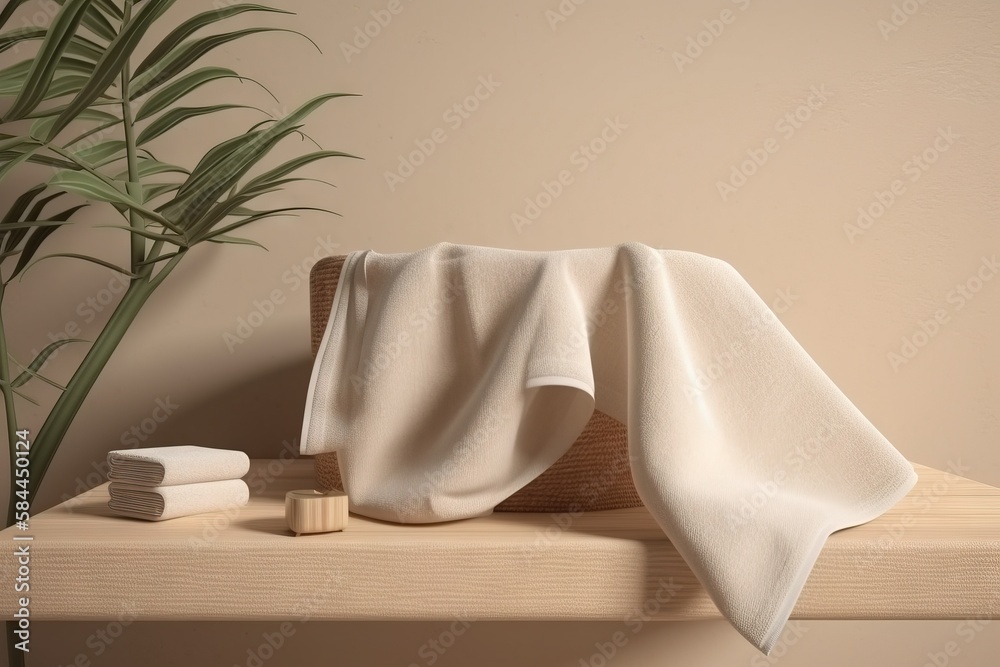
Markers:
(47, 112)
(146, 234)
(31, 224)
(66, 85)
(85, 48)
(110, 8)
(9, 39)
(91, 187)
(204, 186)
(20, 205)
(81, 65)
(222, 238)
(149, 167)
(208, 168)
(193, 24)
(93, 130)
(96, 22)
(43, 66)
(293, 165)
(14, 143)
(16, 234)
(278, 212)
(111, 63)
(9, 10)
(151, 191)
(163, 98)
(29, 399)
(208, 180)
(31, 370)
(33, 158)
(13, 216)
(12, 77)
(41, 127)
(160, 258)
(74, 65)
(36, 210)
(184, 55)
(8, 164)
(219, 212)
(102, 152)
(192, 208)
(36, 238)
(86, 258)
(279, 184)
(179, 115)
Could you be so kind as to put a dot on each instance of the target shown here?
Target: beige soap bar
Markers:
(310, 511)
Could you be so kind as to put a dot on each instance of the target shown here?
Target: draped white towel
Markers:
(158, 503)
(177, 464)
(450, 377)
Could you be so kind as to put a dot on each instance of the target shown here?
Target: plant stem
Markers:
(8, 402)
(68, 404)
(15, 658)
(133, 186)
(140, 289)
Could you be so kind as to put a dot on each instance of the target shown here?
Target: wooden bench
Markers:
(936, 554)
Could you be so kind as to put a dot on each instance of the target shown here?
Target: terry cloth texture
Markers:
(178, 464)
(451, 377)
(158, 503)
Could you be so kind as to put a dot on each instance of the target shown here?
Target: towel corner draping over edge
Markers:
(450, 377)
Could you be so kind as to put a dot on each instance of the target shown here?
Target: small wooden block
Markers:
(310, 511)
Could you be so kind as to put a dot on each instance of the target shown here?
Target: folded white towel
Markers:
(179, 464)
(158, 503)
(451, 377)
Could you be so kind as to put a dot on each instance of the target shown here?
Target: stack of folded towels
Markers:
(159, 483)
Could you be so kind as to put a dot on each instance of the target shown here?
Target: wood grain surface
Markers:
(935, 555)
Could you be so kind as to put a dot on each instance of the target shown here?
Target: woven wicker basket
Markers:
(594, 474)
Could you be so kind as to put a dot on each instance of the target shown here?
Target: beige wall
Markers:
(876, 94)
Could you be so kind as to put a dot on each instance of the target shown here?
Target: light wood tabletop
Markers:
(936, 554)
